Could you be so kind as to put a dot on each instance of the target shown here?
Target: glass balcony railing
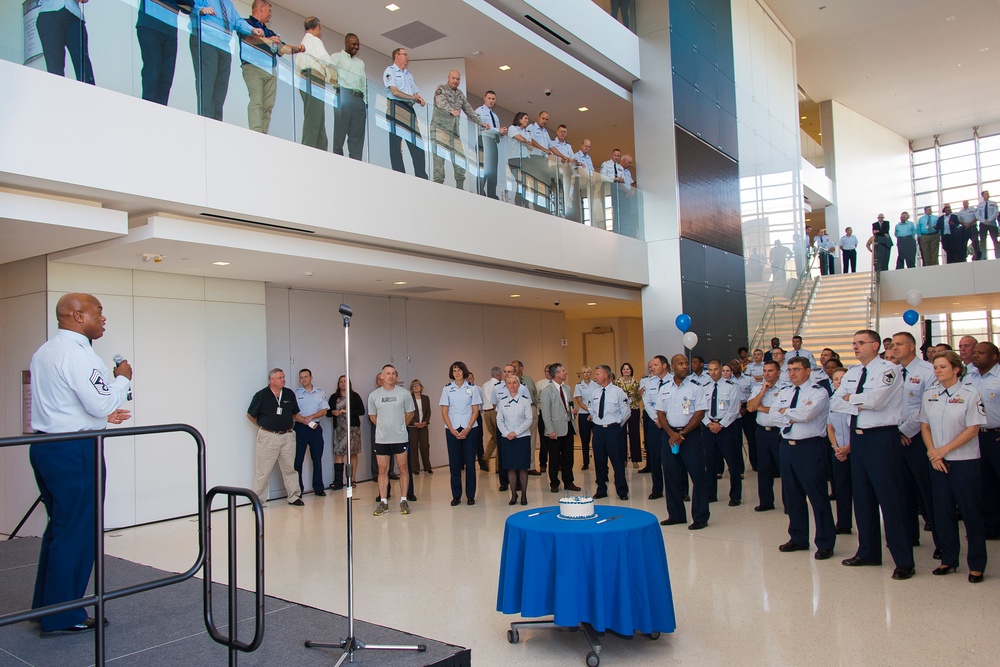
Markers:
(215, 67)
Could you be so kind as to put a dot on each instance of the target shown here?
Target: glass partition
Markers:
(215, 66)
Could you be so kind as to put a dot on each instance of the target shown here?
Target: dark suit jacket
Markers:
(951, 221)
(880, 228)
(357, 410)
(425, 403)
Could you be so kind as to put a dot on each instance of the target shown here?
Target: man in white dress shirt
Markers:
(489, 141)
(986, 214)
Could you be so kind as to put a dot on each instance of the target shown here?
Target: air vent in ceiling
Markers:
(418, 289)
(547, 29)
(413, 35)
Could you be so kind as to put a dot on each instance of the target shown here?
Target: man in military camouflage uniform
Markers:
(449, 103)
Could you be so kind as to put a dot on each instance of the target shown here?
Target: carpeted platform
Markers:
(165, 627)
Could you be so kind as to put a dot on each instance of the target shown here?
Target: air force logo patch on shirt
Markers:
(888, 377)
(99, 384)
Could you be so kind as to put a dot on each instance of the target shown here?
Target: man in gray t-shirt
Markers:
(391, 409)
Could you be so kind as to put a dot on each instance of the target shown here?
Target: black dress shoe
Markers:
(416, 472)
(513, 500)
(599, 495)
(572, 487)
(297, 502)
(645, 471)
(393, 476)
(654, 496)
(586, 466)
(790, 546)
(718, 475)
(713, 499)
(320, 493)
(472, 501)
(943, 569)
(672, 522)
(937, 554)
(761, 508)
(844, 531)
(623, 497)
(503, 487)
(524, 499)
(542, 469)
(901, 573)
(455, 501)
(88, 624)
(856, 561)
(976, 578)
(411, 498)
(534, 472)
(554, 488)
(927, 527)
(735, 503)
(686, 498)
(429, 471)
(823, 554)
(698, 525)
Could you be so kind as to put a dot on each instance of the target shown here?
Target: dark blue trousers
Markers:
(159, 60)
(842, 489)
(917, 485)
(959, 487)
(609, 444)
(726, 446)
(989, 466)
(690, 456)
(586, 429)
(877, 482)
(803, 475)
(306, 437)
(654, 462)
(767, 464)
(64, 472)
(59, 32)
(748, 423)
(462, 456)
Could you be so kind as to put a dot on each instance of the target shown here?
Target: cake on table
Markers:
(576, 507)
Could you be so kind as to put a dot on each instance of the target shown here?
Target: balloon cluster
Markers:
(914, 298)
(683, 323)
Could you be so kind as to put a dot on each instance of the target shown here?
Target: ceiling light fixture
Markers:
(583, 109)
(392, 7)
(399, 282)
(591, 303)
(514, 296)
(220, 263)
(802, 118)
(504, 68)
(950, 18)
(984, 49)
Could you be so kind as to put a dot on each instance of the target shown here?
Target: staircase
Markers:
(838, 308)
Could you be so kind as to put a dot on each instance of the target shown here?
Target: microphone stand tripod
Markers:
(352, 644)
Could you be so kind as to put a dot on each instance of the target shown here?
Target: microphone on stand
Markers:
(118, 359)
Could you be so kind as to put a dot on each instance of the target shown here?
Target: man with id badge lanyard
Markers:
(273, 410)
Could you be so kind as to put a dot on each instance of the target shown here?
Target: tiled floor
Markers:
(738, 600)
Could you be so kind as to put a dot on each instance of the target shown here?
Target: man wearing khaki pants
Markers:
(272, 410)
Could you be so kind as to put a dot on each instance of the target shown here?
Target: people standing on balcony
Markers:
(778, 257)
(259, 62)
(825, 249)
(489, 142)
(849, 251)
(317, 70)
(61, 27)
(156, 31)
(210, 33)
(906, 242)
(986, 214)
(568, 204)
(590, 182)
(950, 230)
(967, 216)
(350, 116)
(626, 214)
(614, 176)
(538, 133)
(446, 130)
(882, 243)
(518, 153)
(402, 116)
(929, 238)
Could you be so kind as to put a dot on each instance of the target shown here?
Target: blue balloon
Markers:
(911, 317)
(683, 322)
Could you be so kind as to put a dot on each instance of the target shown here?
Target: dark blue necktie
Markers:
(860, 390)
(795, 402)
(600, 406)
(715, 400)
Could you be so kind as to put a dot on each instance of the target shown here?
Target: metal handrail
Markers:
(102, 596)
(769, 311)
(874, 307)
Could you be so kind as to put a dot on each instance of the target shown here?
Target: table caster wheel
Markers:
(593, 660)
(512, 636)
(654, 635)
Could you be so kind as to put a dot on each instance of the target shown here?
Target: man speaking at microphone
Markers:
(72, 390)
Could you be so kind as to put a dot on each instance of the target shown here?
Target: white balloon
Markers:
(914, 297)
(690, 340)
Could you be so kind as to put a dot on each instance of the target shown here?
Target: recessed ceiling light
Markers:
(514, 296)
(392, 7)
(220, 263)
(591, 303)
(802, 118)
(950, 18)
(984, 49)
(504, 68)
(399, 282)
(583, 109)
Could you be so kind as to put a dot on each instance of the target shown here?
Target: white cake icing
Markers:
(576, 507)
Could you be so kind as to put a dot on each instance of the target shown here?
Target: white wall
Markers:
(628, 344)
(420, 338)
(870, 169)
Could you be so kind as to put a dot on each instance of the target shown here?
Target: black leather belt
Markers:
(801, 441)
(275, 432)
(768, 428)
(875, 429)
(983, 429)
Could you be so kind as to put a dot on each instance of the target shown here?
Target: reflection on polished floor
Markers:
(738, 600)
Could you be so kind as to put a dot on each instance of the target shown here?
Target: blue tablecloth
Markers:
(611, 575)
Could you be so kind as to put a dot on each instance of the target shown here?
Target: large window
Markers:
(983, 325)
(952, 173)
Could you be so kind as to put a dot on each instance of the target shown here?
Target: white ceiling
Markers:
(901, 63)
